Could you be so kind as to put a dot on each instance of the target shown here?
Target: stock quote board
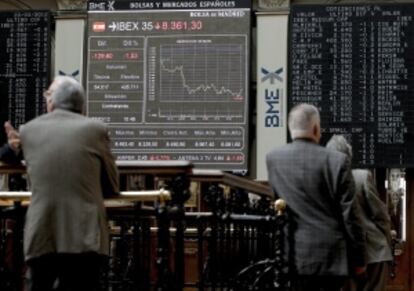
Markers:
(356, 64)
(25, 65)
(170, 78)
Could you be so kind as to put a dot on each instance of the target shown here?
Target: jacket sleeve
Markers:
(351, 215)
(109, 171)
(376, 209)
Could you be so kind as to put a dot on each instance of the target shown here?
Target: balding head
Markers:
(65, 93)
(304, 122)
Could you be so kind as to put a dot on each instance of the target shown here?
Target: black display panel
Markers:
(170, 78)
(25, 63)
(356, 64)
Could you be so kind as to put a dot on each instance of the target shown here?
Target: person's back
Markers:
(64, 164)
(306, 175)
(324, 222)
(71, 169)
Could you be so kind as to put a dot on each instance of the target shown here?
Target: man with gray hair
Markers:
(324, 220)
(376, 224)
(71, 170)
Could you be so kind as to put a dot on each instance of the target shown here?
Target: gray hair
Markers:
(339, 143)
(302, 119)
(68, 94)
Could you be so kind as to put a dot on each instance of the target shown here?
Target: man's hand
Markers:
(13, 137)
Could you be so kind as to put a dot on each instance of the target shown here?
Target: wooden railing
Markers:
(124, 196)
(153, 236)
(124, 167)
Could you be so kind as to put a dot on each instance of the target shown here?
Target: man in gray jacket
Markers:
(71, 170)
(376, 224)
(324, 220)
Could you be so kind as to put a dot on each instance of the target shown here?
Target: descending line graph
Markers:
(203, 88)
(206, 72)
(197, 79)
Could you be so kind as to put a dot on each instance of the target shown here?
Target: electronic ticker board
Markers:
(25, 69)
(356, 64)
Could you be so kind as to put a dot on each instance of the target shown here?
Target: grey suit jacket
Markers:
(375, 219)
(324, 218)
(71, 168)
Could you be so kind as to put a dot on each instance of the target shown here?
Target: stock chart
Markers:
(170, 78)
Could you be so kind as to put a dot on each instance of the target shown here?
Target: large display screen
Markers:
(355, 63)
(170, 78)
(25, 65)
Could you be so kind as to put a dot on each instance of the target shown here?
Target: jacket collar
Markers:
(304, 139)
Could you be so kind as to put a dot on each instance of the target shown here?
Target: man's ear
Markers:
(316, 132)
(50, 106)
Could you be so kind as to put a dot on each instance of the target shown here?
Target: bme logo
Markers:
(273, 110)
(272, 76)
(273, 97)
